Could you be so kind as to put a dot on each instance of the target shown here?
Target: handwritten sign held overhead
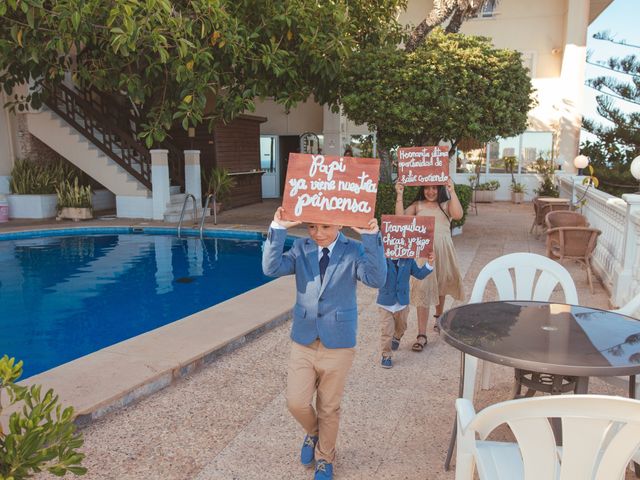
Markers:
(404, 236)
(331, 190)
(423, 165)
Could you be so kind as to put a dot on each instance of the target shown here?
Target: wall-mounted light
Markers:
(635, 169)
(191, 132)
(580, 162)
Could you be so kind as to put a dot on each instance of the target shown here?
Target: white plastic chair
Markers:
(521, 286)
(599, 433)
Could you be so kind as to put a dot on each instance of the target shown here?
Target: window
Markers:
(536, 145)
(498, 150)
(487, 10)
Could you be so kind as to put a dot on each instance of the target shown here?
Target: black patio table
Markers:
(544, 337)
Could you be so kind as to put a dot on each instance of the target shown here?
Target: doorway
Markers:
(269, 164)
(288, 144)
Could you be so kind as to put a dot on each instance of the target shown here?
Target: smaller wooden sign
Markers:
(423, 165)
(405, 236)
(331, 190)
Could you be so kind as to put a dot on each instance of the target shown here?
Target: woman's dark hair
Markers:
(443, 195)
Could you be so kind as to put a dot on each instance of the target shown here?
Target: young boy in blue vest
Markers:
(393, 300)
(327, 266)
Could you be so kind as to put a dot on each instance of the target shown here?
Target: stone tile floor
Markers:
(229, 420)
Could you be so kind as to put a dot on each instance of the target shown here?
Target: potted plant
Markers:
(219, 183)
(547, 186)
(40, 433)
(33, 189)
(484, 192)
(74, 201)
(517, 192)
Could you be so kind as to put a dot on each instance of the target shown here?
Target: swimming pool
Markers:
(67, 293)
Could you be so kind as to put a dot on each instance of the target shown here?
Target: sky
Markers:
(621, 19)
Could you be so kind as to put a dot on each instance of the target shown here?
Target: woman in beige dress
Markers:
(433, 201)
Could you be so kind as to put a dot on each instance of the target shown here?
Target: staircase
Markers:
(174, 207)
(99, 134)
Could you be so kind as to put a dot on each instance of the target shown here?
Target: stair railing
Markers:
(115, 142)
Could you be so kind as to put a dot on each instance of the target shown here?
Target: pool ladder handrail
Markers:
(184, 206)
(204, 212)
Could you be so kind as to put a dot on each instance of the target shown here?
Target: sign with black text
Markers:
(331, 190)
(423, 165)
(405, 236)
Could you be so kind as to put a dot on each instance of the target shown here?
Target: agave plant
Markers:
(73, 195)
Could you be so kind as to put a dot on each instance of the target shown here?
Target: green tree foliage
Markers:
(41, 434)
(618, 138)
(452, 87)
(193, 61)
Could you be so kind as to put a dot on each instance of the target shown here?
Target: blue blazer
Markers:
(396, 288)
(328, 311)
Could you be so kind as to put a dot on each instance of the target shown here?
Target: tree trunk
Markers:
(456, 21)
(437, 16)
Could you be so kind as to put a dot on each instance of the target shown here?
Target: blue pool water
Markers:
(62, 297)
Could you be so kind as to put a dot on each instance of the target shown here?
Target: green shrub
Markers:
(32, 178)
(41, 434)
(73, 195)
(386, 200)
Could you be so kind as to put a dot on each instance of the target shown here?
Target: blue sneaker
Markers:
(395, 343)
(307, 453)
(324, 470)
(386, 362)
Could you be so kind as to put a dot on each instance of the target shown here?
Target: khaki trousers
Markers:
(392, 324)
(323, 370)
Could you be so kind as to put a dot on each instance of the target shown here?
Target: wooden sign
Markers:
(423, 165)
(404, 236)
(331, 190)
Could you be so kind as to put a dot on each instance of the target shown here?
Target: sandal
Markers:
(436, 327)
(418, 346)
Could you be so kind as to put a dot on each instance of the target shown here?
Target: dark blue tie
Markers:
(324, 261)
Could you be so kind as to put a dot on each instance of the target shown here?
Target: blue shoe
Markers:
(386, 362)
(307, 453)
(395, 343)
(324, 470)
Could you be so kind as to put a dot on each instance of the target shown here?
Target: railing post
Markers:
(625, 284)
(192, 183)
(160, 182)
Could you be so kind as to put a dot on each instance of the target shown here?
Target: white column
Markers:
(160, 182)
(192, 182)
(331, 132)
(623, 285)
(572, 80)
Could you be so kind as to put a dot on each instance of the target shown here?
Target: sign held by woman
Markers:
(423, 165)
(331, 190)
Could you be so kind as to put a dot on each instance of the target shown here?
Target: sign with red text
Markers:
(405, 236)
(331, 190)
(423, 165)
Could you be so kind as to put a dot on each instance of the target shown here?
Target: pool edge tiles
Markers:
(126, 372)
(116, 230)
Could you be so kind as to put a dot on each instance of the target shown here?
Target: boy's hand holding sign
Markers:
(423, 165)
(405, 236)
(331, 190)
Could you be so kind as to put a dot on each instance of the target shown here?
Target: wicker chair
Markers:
(565, 218)
(541, 209)
(575, 243)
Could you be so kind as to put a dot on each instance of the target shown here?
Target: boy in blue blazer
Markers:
(393, 300)
(327, 266)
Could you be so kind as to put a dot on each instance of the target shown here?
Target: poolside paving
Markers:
(229, 420)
